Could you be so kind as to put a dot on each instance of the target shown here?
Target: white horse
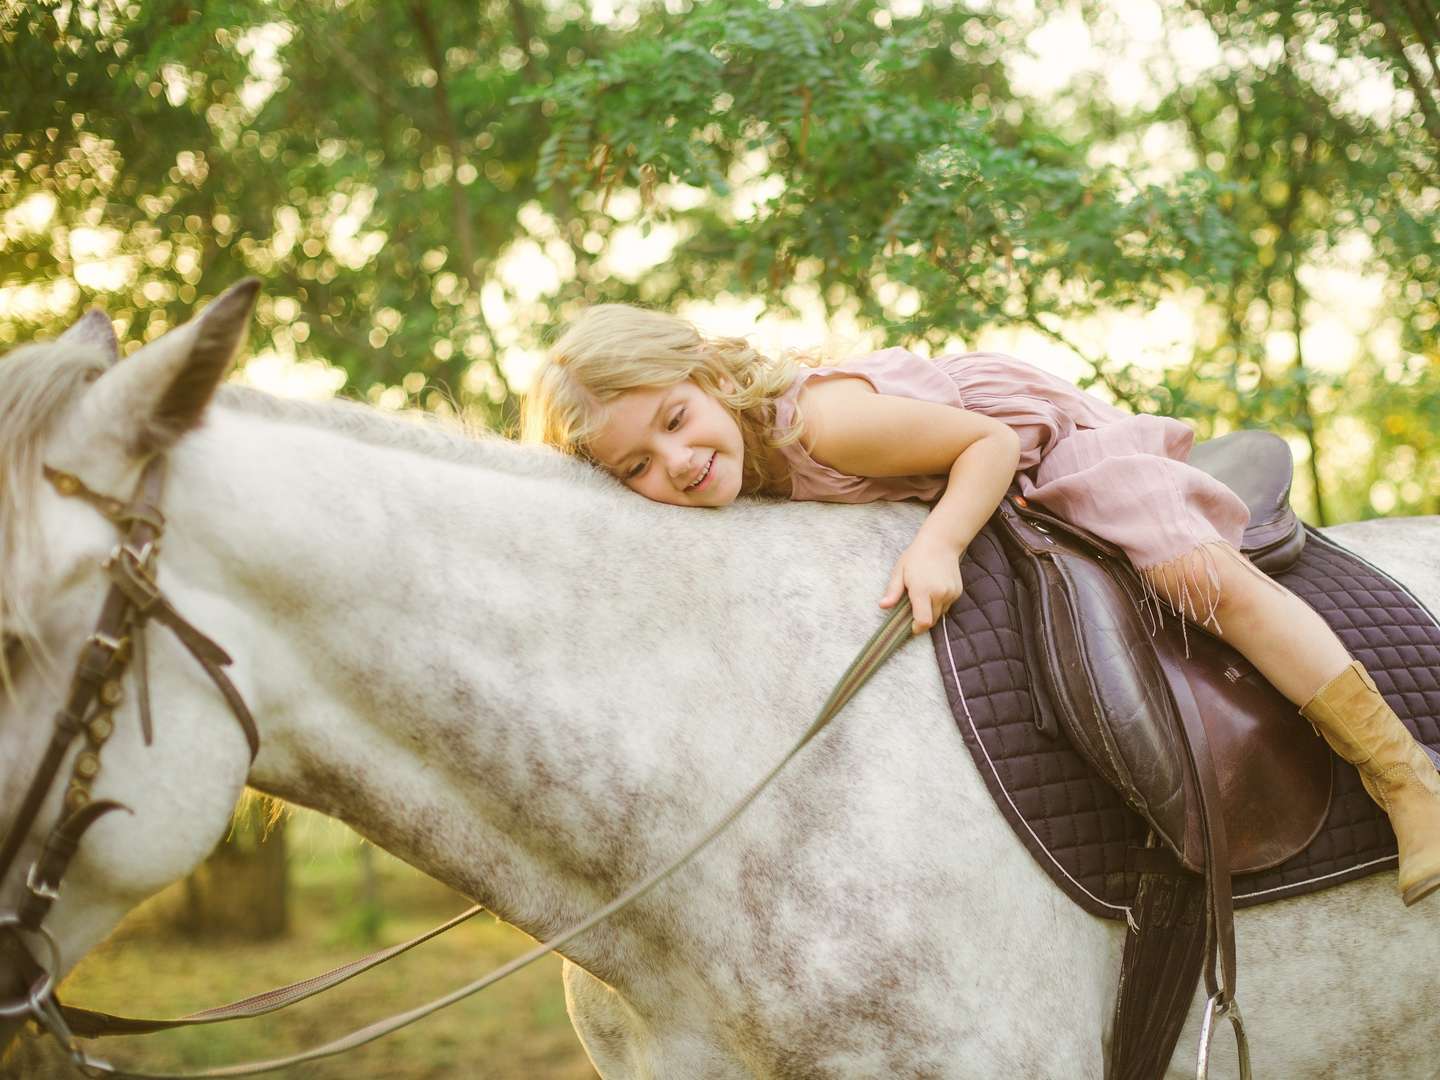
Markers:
(536, 687)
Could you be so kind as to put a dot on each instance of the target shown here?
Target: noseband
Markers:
(96, 689)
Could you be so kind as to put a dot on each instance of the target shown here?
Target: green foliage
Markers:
(877, 180)
(375, 162)
(1322, 119)
(362, 157)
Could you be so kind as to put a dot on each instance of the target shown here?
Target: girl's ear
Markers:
(150, 399)
(95, 331)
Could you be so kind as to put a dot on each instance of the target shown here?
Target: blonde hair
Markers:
(614, 348)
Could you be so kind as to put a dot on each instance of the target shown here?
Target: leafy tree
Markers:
(1316, 178)
(364, 158)
(377, 164)
(899, 181)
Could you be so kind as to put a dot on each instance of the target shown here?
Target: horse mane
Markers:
(440, 438)
(36, 382)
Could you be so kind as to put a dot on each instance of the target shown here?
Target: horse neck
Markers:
(504, 680)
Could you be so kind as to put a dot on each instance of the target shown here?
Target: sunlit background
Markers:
(425, 207)
(1224, 210)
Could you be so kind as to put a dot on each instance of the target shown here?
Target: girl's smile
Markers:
(700, 484)
(676, 445)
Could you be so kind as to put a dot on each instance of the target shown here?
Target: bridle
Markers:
(96, 688)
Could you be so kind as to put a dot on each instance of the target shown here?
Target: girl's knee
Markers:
(1222, 589)
(1212, 585)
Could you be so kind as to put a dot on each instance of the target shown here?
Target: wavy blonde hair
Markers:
(614, 348)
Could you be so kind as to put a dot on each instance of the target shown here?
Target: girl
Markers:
(696, 421)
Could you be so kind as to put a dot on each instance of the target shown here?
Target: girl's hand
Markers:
(930, 572)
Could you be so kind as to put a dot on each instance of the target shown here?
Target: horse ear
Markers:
(94, 330)
(152, 398)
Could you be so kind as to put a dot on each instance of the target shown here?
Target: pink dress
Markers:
(1122, 476)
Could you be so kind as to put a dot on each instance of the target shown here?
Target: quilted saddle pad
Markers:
(1077, 827)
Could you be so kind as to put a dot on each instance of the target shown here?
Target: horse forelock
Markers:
(36, 383)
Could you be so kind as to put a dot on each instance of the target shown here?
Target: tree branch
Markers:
(523, 33)
(459, 200)
(1427, 29)
(1423, 94)
(459, 203)
(354, 66)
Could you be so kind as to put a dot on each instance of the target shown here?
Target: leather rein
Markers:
(133, 601)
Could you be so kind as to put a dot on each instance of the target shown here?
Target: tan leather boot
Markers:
(1359, 726)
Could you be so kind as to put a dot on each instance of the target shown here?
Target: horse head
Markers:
(71, 408)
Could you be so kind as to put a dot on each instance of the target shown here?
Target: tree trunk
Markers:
(242, 889)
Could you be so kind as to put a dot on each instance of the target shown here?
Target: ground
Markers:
(517, 1028)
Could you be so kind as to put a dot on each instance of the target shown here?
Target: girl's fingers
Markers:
(935, 605)
(923, 621)
(894, 589)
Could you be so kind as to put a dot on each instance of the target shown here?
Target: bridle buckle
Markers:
(131, 570)
(39, 888)
(113, 645)
(146, 555)
(141, 558)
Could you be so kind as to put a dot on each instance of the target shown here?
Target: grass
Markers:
(516, 1029)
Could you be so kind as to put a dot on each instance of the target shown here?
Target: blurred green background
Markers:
(341, 900)
(1226, 210)
(1223, 210)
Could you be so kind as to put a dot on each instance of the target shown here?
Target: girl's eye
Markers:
(676, 420)
(637, 469)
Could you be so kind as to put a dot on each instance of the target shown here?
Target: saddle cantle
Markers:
(1257, 466)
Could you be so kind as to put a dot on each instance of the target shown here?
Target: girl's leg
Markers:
(1302, 658)
(1291, 645)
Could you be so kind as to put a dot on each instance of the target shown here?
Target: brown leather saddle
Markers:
(1216, 761)
(1109, 677)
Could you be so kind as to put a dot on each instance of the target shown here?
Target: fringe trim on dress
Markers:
(1192, 583)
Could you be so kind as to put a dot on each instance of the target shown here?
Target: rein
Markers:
(133, 600)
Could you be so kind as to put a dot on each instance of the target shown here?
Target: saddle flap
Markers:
(1107, 674)
(1097, 670)
(1276, 776)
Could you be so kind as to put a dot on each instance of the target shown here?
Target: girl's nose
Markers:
(677, 460)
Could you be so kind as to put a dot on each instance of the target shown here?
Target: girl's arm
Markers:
(851, 428)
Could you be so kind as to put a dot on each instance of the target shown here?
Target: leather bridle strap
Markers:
(95, 689)
(49, 868)
(102, 659)
(894, 633)
(134, 590)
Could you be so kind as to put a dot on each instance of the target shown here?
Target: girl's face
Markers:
(674, 445)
